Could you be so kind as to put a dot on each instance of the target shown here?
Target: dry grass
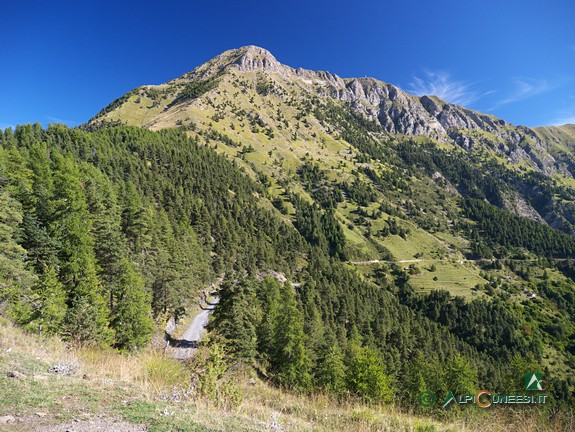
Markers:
(320, 412)
(149, 369)
(141, 388)
(13, 339)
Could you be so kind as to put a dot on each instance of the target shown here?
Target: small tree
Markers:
(425, 373)
(291, 363)
(330, 368)
(235, 318)
(460, 375)
(48, 303)
(269, 297)
(366, 375)
(132, 314)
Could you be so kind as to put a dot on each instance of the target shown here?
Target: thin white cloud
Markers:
(563, 117)
(441, 84)
(53, 119)
(563, 121)
(566, 115)
(524, 88)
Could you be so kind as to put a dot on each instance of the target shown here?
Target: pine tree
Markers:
(37, 200)
(235, 318)
(313, 325)
(460, 375)
(425, 374)
(14, 277)
(84, 323)
(129, 305)
(516, 370)
(291, 362)
(87, 318)
(110, 245)
(131, 316)
(189, 262)
(329, 370)
(48, 299)
(269, 297)
(136, 221)
(366, 375)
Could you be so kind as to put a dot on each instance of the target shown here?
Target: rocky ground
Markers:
(98, 423)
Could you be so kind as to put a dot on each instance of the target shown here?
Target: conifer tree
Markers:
(291, 362)
(14, 276)
(269, 297)
(110, 246)
(424, 374)
(87, 318)
(367, 376)
(136, 221)
(235, 318)
(131, 316)
(37, 201)
(313, 325)
(48, 304)
(460, 375)
(518, 367)
(329, 370)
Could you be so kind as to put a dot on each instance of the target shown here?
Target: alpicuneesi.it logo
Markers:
(534, 381)
(484, 398)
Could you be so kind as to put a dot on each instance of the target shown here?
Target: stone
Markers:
(7, 419)
(15, 375)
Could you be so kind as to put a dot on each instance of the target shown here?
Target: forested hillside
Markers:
(108, 233)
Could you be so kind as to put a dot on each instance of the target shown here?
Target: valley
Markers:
(367, 245)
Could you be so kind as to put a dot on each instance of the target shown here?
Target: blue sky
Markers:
(63, 61)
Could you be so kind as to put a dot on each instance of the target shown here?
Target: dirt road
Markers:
(184, 347)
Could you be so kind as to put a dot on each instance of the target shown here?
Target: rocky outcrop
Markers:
(256, 59)
(402, 113)
(515, 203)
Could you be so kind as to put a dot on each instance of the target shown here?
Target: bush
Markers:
(162, 373)
(367, 377)
(212, 379)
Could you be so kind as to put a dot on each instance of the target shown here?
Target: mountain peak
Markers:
(252, 51)
(245, 59)
(189, 99)
(251, 57)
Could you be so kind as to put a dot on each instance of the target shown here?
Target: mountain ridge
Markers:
(397, 112)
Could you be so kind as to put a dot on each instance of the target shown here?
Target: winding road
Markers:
(184, 348)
